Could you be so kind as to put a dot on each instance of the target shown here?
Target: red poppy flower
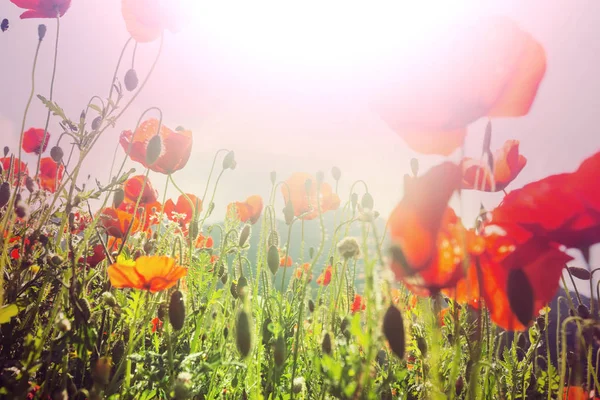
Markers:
(325, 278)
(304, 201)
(43, 8)
(147, 19)
(147, 213)
(508, 163)
(80, 222)
(18, 169)
(133, 190)
(358, 304)
(152, 273)
(577, 393)
(203, 242)
(32, 141)
(303, 270)
(249, 210)
(488, 68)
(283, 262)
(116, 222)
(182, 211)
(214, 258)
(51, 174)
(156, 324)
(96, 256)
(176, 146)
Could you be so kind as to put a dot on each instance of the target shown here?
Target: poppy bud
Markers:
(4, 194)
(101, 370)
(273, 177)
(580, 273)
(273, 259)
(96, 123)
(583, 311)
(422, 345)
(520, 296)
(382, 358)
(273, 239)
(298, 384)
(308, 185)
(241, 285)
(336, 173)
(193, 229)
(344, 327)
(22, 210)
(149, 246)
(459, 385)
(320, 176)
(244, 235)
(367, 201)
(41, 32)
(487, 138)
(109, 299)
(311, 305)
(326, 344)
(414, 166)
(243, 339)
(541, 323)
(83, 309)
(118, 197)
(224, 278)
(176, 310)
(57, 154)
(6, 151)
(279, 352)
(131, 80)
(311, 252)
(29, 184)
(233, 290)
(393, 329)
(229, 161)
(354, 200)
(153, 150)
(288, 213)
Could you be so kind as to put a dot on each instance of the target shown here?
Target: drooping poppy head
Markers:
(42, 8)
(135, 188)
(249, 210)
(51, 174)
(175, 146)
(32, 141)
(182, 211)
(147, 19)
(508, 163)
(325, 278)
(152, 273)
(18, 169)
(358, 304)
(116, 222)
(301, 190)
(489, 67)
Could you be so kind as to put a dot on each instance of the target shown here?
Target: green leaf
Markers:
(7, 312)
(95, 108)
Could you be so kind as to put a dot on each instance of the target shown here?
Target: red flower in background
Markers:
(358, 304)
(489, 68)
(182, 211)
(32, 141)
(304, 201)
(95, 257)
(17, 168)
(156, 324)
(286, 262)
(508, 163)
(147, 19)
(249, 210)
(51, 174)
(147, 213)
(325, 278)
(203, 242)
(116, 222)
(176, 146)
(303, 270)
(80, 221)
(133, 189)
(43, 8)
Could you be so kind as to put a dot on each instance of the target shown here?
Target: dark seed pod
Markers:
(459, 385)
(41, 32)
(244, 235)
(279, 352)
(101, 370)
(541, 323)
(176, 310)
(273, 259)
(30, 184)
(96, 123)
(422, 345)
(311, 305)
(326, 344)
(225, 332)
(118, 197)
(520, 296)
(6, 151)
(393, 329)
(336, 173)
(22, 210)
(344, 325)
(382, 358)
(153, 149)
(241, 286)
(229, 161)
(131, 80)
(414, 166)
(4, 194)
(83, 309)
(55, 260)
(580, 273)
(149, 246)
(243, 338)
(583, 311)
(224, 278)
(367, 201)
(57, 154)
(273, 177)
(233, 290)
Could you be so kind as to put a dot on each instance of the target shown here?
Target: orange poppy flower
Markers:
(176, 146)
(214, 258)
(116, 222)
(182, 211)
(42, 8)
(18, 169)
(490, 67)
(156, 324)
(147, 213)
(134, 187)
(305, 202)
(147, 19)
(203, 242)
(152, 273)
(249, 210)
(358, 304)
(508, 163)
(325, 278)
(32, 140)
(51, 174)
(577, 393)
(283, 262)
(302, 270)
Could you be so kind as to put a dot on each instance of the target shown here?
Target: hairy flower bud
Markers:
(131, 80)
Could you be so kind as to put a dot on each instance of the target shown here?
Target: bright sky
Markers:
(285, 87)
